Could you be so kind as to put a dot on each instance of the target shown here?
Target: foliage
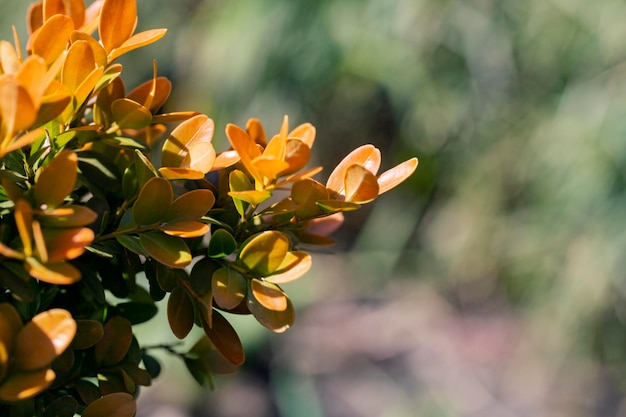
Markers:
(93, 234)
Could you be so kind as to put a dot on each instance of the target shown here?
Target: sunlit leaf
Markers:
(297, 155)
(265, 252)
(245, 147)
(137, 41)
(295, 264)
(56, 180)
(22, 385)
(361, 186)
(153, 202)
(119, 404)
(117, 22)
(115, 342)
(142, 93)
(79, 63)
(129, 114)
(229, 288)
(34, 16)
(189, 145)
(17, 110)
(61, 273)
(270, 306)
(63, 244)
(51, 39)
(72, 8)
(180, 313)
(394, 176)
(367, 156)
(305, 133)
(185, 228)
(169, 250)
(306, 193)
(43, 339)
(68, 216)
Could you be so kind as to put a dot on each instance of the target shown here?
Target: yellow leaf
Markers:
(79, 63)
(265, 252)
(129, 114)
(117, 22)
(9, 60)
(256, 132)
(229, 288)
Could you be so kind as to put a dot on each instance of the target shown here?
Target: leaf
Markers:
(264, 252)
(17, 110)
(88, 333)
(64, 244)
(396, 175)
(128, 114)
(180, 313)
(68, 216)
(191, 206)
(367, 156)
(189, 146)
(43, 339)
(22, 385)
(245, 147)
(144, 93)
(229, 288)
(153, 202)
(65, 406)
(72, 8)
(270, 306)
(51, 39)
(119, 404)
(221, 244)
(201, 276)
(115, 342)
(56, 180)
(225, 339)
(10, 325)
(185, 229)
(131, 243)
(305, 133)
(361, 186)
(137, 41)
(137, 312)
(295, 264)
(117, 22)
(306, 193)
(169, 250)
(78, 64)
(336, 206)
(61, 273)
(238, 182)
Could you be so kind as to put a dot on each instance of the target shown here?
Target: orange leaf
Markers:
(65, 244)
(100, 56)
(34, 16)
(361, 185)
(270, 306)
(23, 220)
(56, 180)
(32, 75)
(181, 173)
(144, 94)
(225, 159)
(304, 133)
(51, 39)
(117, 22)
(394, 176)
(22, 385)
(61, 273)
(9, 60)
(245, 147)
(229, 287)
(72, 8)
(153, 202)
(129, 114)
(43, 339)
(79, 63)
(296, 264)
(180, 313)
(367, 156)
(189, 145)
(186, 229)
(256, 132)
(191, 206)
(224, 338)
(17, 110)
(137, 41)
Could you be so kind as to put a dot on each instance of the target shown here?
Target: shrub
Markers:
(93, 233)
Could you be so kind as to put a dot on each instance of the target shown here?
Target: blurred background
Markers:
(491, 283)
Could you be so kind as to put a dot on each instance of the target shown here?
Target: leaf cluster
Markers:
(94, 232)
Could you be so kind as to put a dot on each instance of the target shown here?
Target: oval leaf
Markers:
(117, 22)
(225, 339)
(117, 338)
(361, 185)
(22, 385)
(180, 313)
(88, 333)
(153, 202)
(221, 244)
(119, 404)
(43, 339)
(265, 252)
(270, 306)
(229, 288)
(169, 250)
(56, 180)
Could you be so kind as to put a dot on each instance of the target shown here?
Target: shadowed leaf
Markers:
(129, 114)
(88, 333)
(169, 250)
(22, 385)
(56, 180)
(115, 342)
(180, 313)
(225, 339)
(119, 404)
(191, 206)
(153, 202)
(270, 306)
(361, 185)
(221, 244)
(117, 22)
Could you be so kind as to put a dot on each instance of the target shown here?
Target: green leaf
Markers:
(238, 181)
(221, 244)
(201, 276)
(137, 312)
(180, 313)
(151, 364)
(169, 250)
(229, 288)
(132, 243)
(153, 202)
(265, 252)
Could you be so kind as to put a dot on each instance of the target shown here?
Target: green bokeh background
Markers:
(491, 283)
